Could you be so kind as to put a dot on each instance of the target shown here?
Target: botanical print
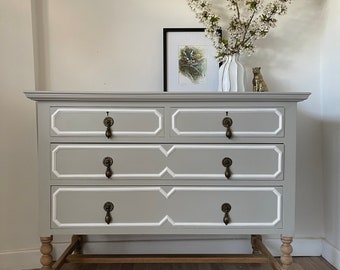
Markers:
(192, 64)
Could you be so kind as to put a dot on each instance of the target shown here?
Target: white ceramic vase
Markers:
(231, 75)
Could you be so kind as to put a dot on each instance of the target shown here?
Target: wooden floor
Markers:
(305, 263)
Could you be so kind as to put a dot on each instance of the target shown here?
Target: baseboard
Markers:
(301, 246)
(331, 254)
(30, 258)
(20, 259)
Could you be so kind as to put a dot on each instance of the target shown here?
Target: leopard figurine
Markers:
(259, 85)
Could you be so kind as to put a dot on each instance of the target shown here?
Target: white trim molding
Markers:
(275, 112)
(158, 122)
(331, 254)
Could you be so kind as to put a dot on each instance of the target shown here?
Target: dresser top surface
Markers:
(166, 97)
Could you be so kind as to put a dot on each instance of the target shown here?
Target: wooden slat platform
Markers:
(261, 259)
(261, 255)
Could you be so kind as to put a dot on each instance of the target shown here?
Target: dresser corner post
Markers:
(286, 251)
(46, 248)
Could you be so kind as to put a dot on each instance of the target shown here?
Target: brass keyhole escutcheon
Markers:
(108, 207)
(108, 123)
(227, 123)
(107, 162)
(227, 162)
(226, 208)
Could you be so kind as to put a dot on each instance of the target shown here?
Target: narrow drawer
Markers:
(166, 208)
(89, 122)
(176, 162)
(243, 122)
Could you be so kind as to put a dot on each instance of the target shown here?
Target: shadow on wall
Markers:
(331, 179)
(309, 187)
(291, 50)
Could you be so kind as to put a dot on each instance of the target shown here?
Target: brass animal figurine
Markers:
(259, 85)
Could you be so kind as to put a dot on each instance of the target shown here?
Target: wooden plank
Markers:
(306, 263)
(313, 263)
(78, 258)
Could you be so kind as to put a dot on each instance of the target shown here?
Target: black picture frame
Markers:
(175, 40)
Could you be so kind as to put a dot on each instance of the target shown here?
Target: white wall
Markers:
(330, 86)
(18, 159)
(116, 45)
(106, 45)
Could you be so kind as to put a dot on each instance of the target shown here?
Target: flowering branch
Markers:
(251, 20)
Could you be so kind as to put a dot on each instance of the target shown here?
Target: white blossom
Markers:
(250, 20)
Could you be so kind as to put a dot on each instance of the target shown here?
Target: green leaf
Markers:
(252, 4)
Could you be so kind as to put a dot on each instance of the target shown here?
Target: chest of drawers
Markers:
(166, 164)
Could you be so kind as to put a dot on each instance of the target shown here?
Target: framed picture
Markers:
(189, 61)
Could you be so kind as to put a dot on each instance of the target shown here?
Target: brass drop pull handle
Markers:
(226, 207)
(227, 123)
(108, 207)
(108, 163)
(108, 122)
(227, 162)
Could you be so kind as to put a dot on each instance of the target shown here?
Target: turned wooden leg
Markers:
(286, 251)
(46, 250)
(254, 245)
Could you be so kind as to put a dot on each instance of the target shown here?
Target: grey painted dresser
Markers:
(166, 163)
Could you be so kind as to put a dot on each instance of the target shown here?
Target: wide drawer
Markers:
(89, 122)
(244, 122)
(166, 208)
(181, 161)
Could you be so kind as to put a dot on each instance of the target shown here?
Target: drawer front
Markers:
(166, 207)
(182, 161)
(73, 161)
(246, 122)
(89, 122)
